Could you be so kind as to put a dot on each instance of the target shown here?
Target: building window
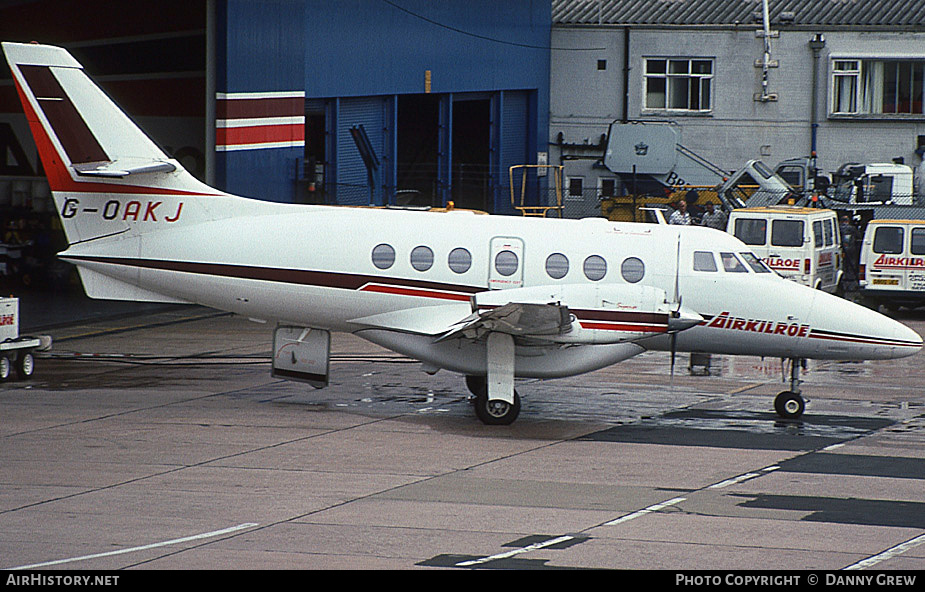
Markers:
(678, 84)
(608, 186)
(877, 87)
(576, 186)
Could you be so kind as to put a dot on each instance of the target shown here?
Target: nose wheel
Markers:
(790, 404)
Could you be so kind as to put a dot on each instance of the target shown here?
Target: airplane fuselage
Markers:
(326, 267)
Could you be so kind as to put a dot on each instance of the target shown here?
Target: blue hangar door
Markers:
(363, 150)
(427, 150)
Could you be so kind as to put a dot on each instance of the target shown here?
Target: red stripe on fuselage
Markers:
(421, 293)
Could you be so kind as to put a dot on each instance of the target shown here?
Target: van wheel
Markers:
(6, 368)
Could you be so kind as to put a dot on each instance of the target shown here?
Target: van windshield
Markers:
(787, 233)
(888, 240)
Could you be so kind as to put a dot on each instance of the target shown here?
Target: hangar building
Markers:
(354, 102)
(350, 102)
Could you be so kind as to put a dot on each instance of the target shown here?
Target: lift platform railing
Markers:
(536, 210)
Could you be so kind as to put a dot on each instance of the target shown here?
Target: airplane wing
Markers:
(572, 314)
(519, 319)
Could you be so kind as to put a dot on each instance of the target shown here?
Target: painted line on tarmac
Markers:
(744, 477)
(889, 553)
(643, 512)
(518, 551)
(195, 537)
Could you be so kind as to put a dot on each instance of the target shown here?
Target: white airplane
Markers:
(489, 297)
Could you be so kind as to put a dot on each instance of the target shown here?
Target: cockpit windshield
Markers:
(755, 263)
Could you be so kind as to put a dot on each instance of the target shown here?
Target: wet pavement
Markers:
(155, 438)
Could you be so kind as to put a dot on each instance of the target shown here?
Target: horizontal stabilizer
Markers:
(120, 170)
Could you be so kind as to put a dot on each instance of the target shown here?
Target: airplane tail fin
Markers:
(107, 177)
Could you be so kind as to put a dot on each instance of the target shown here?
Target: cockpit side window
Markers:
(704, 261)
(732, 264)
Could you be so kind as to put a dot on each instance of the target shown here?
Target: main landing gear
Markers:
(491, 412)
(790, 404)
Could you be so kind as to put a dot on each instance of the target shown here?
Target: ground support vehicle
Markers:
(16, 351)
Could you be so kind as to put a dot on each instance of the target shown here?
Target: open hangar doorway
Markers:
(471, 154)
(443, 151)
(417, 166)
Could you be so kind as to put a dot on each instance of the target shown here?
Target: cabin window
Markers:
(818, 239)
(888, 240)
(633, 269)
(918, 241)
(595, 268)
(755, 263)
(460, 260)
(732, 264)
(506, 263)
(704, 261)
(751, 231)
(383, 256)
(787, 233)
(557, 266)
(422, 258)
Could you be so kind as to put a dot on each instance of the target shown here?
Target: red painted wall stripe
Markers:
(258, 134)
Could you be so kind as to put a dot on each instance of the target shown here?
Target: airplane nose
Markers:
(912, 341)
(849, 331)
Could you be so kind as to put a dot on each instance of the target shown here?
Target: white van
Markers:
(801, 244)
(892, 266)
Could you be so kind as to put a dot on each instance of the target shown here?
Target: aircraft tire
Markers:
(6, 368)
(475, 384)
(789, 405)
(25, 365)
(496, 412)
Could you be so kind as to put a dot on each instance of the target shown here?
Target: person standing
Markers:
(681, 215)
(714, 218)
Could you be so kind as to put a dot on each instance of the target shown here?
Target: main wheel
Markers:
(475, 384)
(789, 405)
(496, 412)
(25, 365)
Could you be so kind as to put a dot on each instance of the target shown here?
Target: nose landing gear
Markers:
(790, 404)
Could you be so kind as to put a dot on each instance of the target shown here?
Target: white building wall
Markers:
(585, 100)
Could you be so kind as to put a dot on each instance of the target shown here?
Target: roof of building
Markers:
(880, 14)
